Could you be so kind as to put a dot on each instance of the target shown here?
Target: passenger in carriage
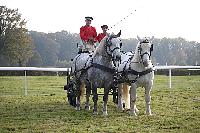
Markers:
(88, 34)
(102, 35)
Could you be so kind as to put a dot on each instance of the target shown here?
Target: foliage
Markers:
(45, 108)
(55, 49)
(10, 19)
(46, 48)
(175, 51)
(68, 44)
(64, 63)
(18, 47)
(15, 43)
(35, 60)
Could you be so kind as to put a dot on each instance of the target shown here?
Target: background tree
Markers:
(174, 51)
(46, 47)
(68, 44)
(15, 42)
(35, 60)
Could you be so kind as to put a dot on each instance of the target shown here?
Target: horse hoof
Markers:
(136, 110)
(132, 113)
(95, 113)
(87, 108)
(78, 108)
(150, 114)
(105, 113)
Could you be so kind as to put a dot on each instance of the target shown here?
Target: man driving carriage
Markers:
(88, 34)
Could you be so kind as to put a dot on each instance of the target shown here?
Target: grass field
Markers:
(45, 109)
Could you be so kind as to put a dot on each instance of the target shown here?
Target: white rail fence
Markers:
(175, 67)
(25, 69)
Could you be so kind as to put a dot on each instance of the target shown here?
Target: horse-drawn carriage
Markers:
(115, 71)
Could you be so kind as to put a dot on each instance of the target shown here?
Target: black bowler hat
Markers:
(104, 26)
(89, 18)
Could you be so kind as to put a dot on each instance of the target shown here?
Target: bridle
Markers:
(140, 49)
(108, 45)
(110, 51)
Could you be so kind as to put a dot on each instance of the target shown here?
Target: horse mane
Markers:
(100, 48)
(136, 54)
(137, 47)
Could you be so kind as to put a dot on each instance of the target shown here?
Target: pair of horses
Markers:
(97, 70)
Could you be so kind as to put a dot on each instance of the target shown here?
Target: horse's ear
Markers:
(119, 34)
(151, 39)
(139, 39)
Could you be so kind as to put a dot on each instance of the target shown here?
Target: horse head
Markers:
(144, 49)
(112, 47)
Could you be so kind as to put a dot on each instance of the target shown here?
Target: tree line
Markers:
(21, 47)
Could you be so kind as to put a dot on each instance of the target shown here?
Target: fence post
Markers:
(170, 78)
(25, 84)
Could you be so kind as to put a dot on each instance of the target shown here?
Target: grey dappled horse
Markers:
(137, 71)
(97, 70)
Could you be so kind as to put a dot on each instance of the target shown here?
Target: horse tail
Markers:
(82, 89)
(126, 95)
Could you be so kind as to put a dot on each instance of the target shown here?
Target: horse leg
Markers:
(95, 99)
(105, 100)
(133, 97)
(148, 99)
(78, 85)
(120, 104)
(88, 92)
(114, 93)
(126, 95)
(126, 92)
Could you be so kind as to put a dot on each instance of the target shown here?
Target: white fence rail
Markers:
(34, 69)
(175, 67)
(25, 69)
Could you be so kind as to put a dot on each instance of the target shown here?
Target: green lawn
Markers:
(45, 109)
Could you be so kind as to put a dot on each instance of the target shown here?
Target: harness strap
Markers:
(84, 52)
(125, 81)
(114, 49)
(124, 77)
(107, 69)
(131, 71)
